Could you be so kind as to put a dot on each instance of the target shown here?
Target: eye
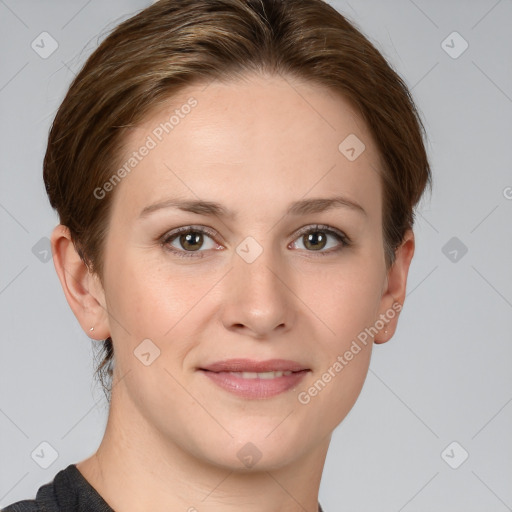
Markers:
(194, 241)
(316, 238)
(188, 241)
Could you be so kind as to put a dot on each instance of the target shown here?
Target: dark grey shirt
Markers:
(68, 492)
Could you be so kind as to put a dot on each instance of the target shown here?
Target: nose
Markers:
(258, 298)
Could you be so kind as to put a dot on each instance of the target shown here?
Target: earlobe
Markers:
(81, 287)
(393, 296)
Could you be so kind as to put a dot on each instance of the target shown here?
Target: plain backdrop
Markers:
(431, 429)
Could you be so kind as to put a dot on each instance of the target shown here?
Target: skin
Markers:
(172, 436)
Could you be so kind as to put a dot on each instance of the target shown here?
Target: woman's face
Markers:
(244, 280)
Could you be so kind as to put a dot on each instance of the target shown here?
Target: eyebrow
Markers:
(302, 207)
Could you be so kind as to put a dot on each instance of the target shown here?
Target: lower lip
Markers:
(255, 388)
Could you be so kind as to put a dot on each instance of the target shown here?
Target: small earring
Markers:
(91, 329)
(385, 331)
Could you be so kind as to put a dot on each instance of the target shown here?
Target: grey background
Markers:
(446, 374)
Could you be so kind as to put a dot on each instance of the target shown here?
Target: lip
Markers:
(255, 388)
(250, 365)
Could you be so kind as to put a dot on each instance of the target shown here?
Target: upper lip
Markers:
(250, 365)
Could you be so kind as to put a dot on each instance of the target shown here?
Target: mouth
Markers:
(255, 379)
(258, 375)
(250, 366)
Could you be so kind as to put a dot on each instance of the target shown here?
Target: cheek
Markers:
(347, 306)
(347, 301)
(148, 302)
(149, 298)
(169, 304)
(346, 297)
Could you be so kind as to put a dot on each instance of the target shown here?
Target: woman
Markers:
(235, 182)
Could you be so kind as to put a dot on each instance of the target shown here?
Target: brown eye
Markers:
(191, 241)
(317, 238)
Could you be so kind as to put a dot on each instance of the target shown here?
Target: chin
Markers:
(258, 449)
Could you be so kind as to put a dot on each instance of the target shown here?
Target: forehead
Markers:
(264, 138)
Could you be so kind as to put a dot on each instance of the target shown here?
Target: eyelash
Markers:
(169, 237)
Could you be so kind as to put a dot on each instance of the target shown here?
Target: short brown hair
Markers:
(176, 43)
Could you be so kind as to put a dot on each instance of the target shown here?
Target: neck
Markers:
(135, 468)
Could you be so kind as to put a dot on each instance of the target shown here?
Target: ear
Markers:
(82, 288)
(394, 291)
